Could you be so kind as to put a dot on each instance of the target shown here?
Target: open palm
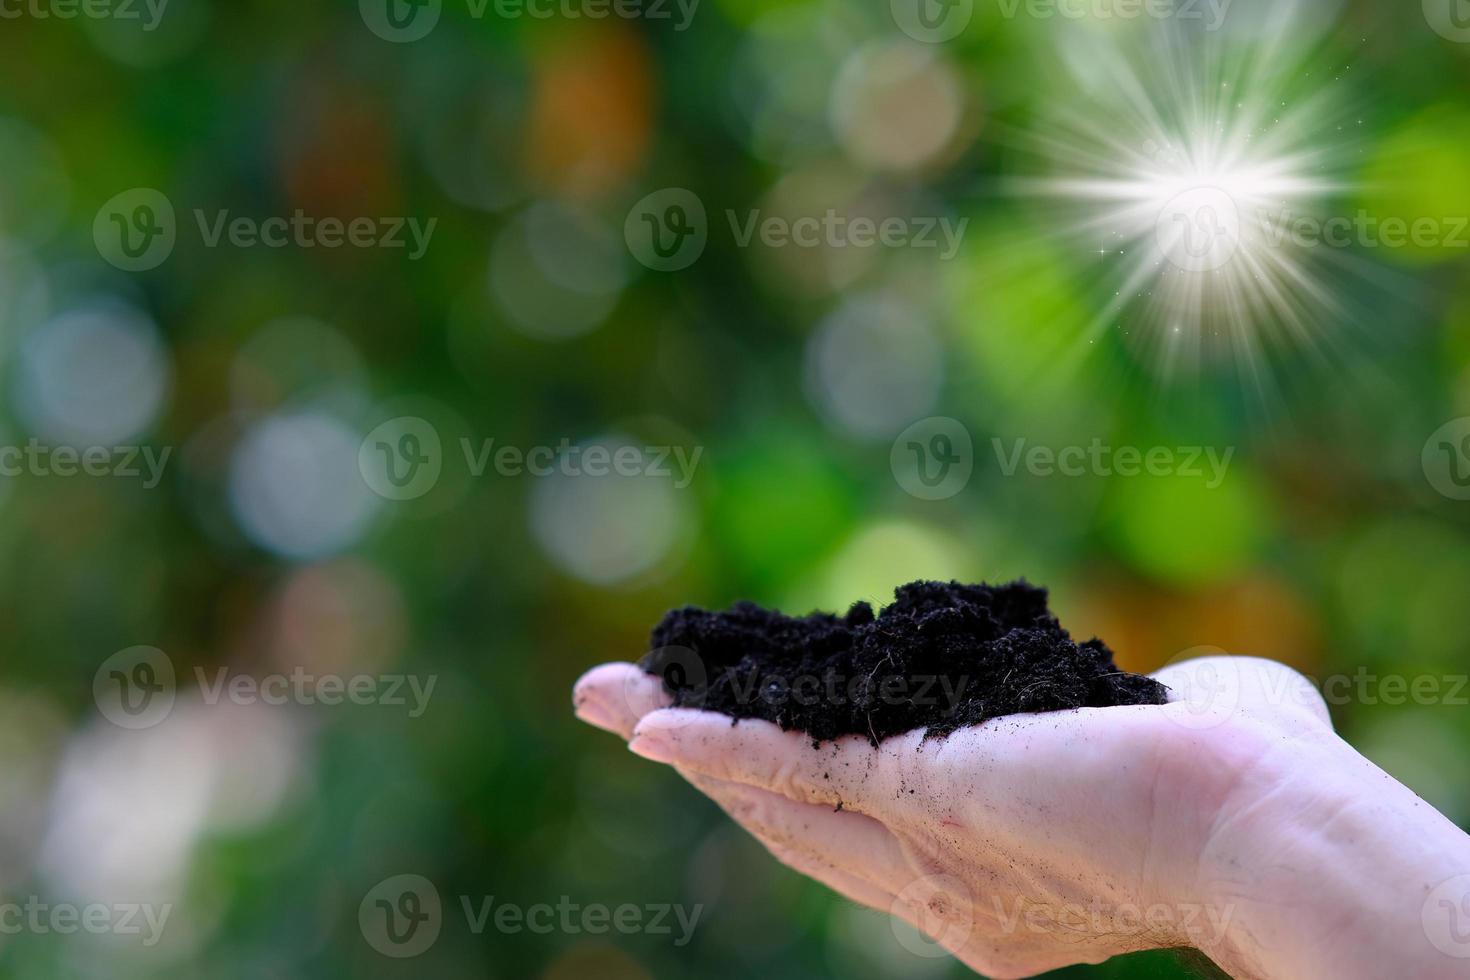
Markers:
(1021, 845)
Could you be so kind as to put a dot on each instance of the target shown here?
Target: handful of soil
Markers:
(941, 657)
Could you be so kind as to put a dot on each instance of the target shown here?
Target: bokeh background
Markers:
(529, 320)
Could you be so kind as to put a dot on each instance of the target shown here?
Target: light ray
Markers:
(1182, 165)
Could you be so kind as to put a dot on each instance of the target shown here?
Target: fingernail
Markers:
(594, 713)
(652, 746)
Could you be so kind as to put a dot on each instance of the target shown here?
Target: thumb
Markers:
(1214, 687)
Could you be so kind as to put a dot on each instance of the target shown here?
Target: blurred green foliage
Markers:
(529, 322)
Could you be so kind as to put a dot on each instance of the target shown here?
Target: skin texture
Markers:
(1232, 820)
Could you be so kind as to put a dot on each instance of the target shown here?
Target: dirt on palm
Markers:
(941, 657)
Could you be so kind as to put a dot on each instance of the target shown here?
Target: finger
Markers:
(800, 849)
(615, 696)
(947, 911)
(849, 886)
(941, 908)
(1210, 687)
(851, 843)
(849, 771)
(1268, 682)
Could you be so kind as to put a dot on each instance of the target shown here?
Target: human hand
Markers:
(1033, 842)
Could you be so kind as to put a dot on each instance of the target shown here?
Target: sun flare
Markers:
(1182, 174)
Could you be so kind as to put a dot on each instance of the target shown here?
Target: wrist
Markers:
(1317, 856)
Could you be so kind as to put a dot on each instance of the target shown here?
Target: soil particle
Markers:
(941, 657)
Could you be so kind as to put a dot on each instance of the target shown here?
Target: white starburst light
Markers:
(1183, 168)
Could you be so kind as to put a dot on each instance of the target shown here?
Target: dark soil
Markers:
(941, 657)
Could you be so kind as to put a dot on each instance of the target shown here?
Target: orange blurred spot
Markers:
(338, 617)
(590, 112)
(1146, 628)
(336, 154)
(596, 960)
